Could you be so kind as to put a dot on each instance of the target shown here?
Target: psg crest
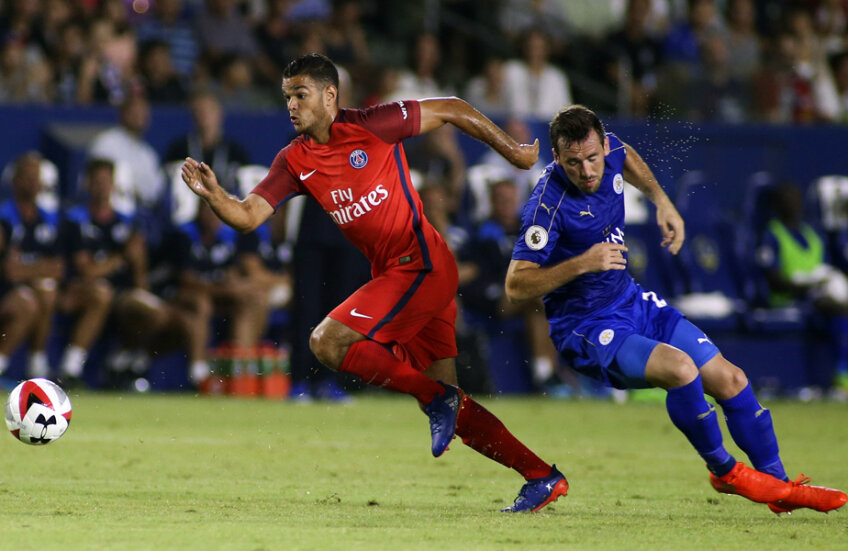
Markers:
(358, 158)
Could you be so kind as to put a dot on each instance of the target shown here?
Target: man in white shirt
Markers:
(139, 178)
(534, 87)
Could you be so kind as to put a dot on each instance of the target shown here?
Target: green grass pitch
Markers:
(184, 472)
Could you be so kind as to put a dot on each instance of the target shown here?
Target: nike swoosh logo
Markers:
(356, 314)
(305, 176)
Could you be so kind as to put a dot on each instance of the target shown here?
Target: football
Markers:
(38, 412)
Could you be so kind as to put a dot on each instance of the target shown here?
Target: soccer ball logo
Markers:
(38, 412)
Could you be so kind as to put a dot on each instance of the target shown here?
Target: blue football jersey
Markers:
(560, 222)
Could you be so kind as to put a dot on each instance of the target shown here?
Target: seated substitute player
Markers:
(108, 269)
(211, 258)
(33, 257)
(571, 252)
(397, 330)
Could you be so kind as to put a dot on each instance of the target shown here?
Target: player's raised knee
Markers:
(669, 367)
(325, 347)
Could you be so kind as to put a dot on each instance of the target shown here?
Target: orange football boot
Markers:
(812, 497)
(752, 484)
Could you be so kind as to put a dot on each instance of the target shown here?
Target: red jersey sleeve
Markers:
(280, 184)
(391, 122)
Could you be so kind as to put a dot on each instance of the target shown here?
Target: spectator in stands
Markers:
(682, 56)
(714, 91)
(168, 23)
(277, 42)
(742, 38)
(490, 250)
(812, 83)
(109, 71)
(344, 36)
(209, 257)
(19, 18)
(683, 42)
(423, 80)
(207, 141)
(223, 31)
(839, 66)
(55, 15)
(134, 158)
(33, 256)
(518, 17)
(794, 84)
(831, 21)
(24, 78)
(794, 258)
(234, 85)
(775, 94)
(534, 87)
(486, 90)
(636, 54)
(161, 83)
(68, 59)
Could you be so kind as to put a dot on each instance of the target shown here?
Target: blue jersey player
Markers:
(571, 251)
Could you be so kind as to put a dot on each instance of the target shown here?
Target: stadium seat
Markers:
(827, 205)
(712, 297)
(651, 265)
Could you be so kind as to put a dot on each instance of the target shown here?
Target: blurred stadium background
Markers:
(724, 99)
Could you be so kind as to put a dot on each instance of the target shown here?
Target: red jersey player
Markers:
(396, 331)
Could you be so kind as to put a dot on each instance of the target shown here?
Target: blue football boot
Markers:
(538, 492)
(443, 411)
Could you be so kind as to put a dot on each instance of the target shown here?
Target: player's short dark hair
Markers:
(573, 124)
(318, 67)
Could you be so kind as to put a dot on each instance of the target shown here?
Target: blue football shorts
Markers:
(614, 347)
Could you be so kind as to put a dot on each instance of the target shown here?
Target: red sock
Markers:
(378, 367)
(485, 433)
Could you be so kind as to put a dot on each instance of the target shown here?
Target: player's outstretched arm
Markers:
(243, 215)
(527, 280)
(438, 111)
(638, 173)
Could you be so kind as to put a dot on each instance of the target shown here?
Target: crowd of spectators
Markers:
(721, 60)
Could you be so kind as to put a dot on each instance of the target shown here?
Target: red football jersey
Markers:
(361, 179)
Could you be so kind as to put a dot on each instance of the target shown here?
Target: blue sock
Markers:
(696, 418)
(751, 427)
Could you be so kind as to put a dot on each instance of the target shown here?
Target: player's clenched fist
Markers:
(605, 256)
(525, 155)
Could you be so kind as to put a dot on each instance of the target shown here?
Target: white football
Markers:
(38, 412)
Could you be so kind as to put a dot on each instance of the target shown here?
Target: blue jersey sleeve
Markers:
(618, 152)
(539, 232)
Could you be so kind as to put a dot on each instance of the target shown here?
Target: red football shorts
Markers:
(413, 310)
